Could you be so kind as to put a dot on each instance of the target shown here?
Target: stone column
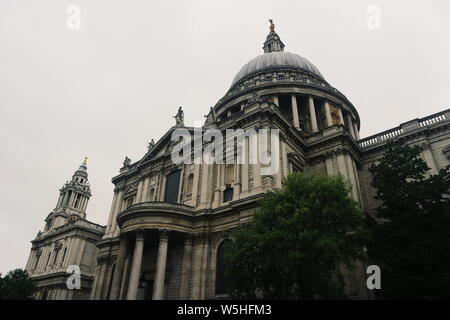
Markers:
(101, 265)
(73, 247)
(111, 214)
(186, 267)
(350, 126)
(64, 199)
(135, 272)
(125, 277)
(139, 191)
(295, 111)
(204, 184)
(160, 270)
(118, 271)
(257, 178)
(275, 101)
(356, 131)
(245, 169)
(312, 114)
(353, 177)
(114, 227)
(341, 117)
(80, 250)
(195, 188)
(327, 113)
(145, 190)
(30, 260)
(429, 159)
(197, 267)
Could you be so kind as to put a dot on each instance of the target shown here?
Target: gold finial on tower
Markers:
(272, 26)
(85, 160)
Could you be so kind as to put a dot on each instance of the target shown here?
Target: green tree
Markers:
(411, 241)
(16, 285)
(295, 239)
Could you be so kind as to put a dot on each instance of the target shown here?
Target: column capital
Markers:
(188, 238)
(164, 234)
(140, 235)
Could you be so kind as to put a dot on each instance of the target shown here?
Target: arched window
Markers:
(190, 185)
(222, 279)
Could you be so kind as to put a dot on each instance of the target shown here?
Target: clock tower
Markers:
(68, 239)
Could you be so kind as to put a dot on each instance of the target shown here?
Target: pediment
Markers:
(163, 146)
(130, 190)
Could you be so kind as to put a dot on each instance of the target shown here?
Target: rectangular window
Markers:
(228, 194)
(172, 186)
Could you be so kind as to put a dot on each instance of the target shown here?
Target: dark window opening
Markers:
(48, 259)
(172, 186)
(228, 194)
(55, 259)
(222, 277)
(64, 255)
(69, 196)
(38, 257)
(111, 279)
(77, 201)
(285, 106)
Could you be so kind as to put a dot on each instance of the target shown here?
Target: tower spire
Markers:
(273, 42)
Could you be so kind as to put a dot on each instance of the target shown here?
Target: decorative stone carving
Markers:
(58, 245)
(73, 218)
(126, 162)
(151, 144)
(446, 151)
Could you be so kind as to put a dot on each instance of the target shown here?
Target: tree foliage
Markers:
(411, 242)
(16, 285)
(297, 236)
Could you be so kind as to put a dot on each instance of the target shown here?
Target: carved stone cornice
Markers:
(102, 259)
(188, 239)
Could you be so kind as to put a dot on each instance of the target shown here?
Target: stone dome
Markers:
(276, 59)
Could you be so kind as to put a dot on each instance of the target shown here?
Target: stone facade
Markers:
(67, 239)
(168, 221)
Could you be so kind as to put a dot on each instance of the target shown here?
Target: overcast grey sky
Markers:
(108, 88)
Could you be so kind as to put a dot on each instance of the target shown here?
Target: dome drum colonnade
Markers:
(295, 85)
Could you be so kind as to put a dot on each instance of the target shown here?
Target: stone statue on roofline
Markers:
(179, 118)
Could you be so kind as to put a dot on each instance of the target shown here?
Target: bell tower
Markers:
(68, 240)
(73, 199)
